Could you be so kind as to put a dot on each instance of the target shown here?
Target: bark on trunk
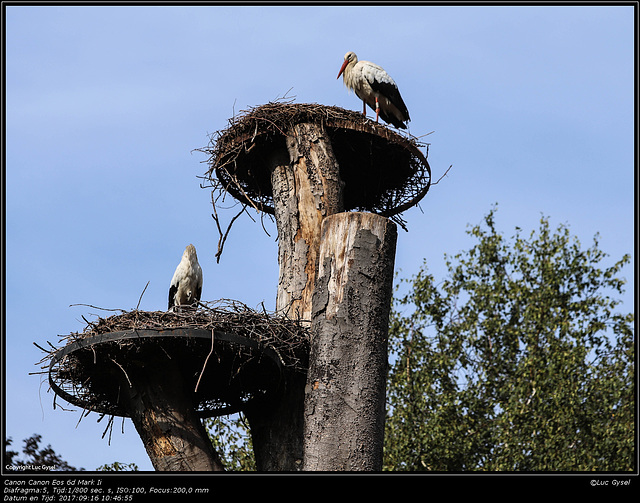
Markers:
(346, 382)
(306, 188)
(158, 403)
(276, 428)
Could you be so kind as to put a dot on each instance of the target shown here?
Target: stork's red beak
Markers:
(344, 65)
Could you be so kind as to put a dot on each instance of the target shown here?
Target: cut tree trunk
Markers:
(306, 189)
(346, 381)
(158, 403)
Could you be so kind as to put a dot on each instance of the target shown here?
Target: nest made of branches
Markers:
(243, 357)
(384, 172)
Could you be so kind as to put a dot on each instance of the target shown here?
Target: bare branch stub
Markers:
(384, 172)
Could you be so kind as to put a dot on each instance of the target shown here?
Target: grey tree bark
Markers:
(346, 381)
(276, 427)
(306, 189)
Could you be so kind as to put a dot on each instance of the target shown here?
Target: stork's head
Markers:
(190, 251)
(349, 57)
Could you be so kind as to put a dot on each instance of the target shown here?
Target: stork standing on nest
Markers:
(186, 285)
(375, 88)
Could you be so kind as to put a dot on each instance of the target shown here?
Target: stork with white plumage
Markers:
(186, 284)
(375, 88)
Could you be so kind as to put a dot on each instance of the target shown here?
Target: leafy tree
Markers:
(36, 459)
(116, 466)
(518, 360)
(45, 459)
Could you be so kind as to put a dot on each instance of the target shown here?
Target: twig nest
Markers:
(228, 356)
(384, 172)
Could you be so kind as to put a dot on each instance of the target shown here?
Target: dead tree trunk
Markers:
(276, 427)
(346, 382)
(306, 189)
(159, 406)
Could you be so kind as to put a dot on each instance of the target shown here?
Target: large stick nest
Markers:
(384, 172)
(228, 354)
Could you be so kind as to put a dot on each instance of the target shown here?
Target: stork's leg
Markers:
(377, 109)
(364, 108)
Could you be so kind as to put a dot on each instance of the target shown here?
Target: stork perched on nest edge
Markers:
(375, 88)
(186, 284)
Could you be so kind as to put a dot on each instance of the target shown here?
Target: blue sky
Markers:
(532, 105)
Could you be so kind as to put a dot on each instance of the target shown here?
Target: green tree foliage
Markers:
(231, 439)
(116, 466)
(517, 361)
(44, 459)
(35, 458)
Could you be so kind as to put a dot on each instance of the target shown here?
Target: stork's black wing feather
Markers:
(390, 91)
(172, 293)
(391, 119)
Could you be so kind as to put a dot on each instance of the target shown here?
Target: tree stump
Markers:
(346, 382)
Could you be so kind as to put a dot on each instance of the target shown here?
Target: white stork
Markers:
(375, 88)
(186, 285)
